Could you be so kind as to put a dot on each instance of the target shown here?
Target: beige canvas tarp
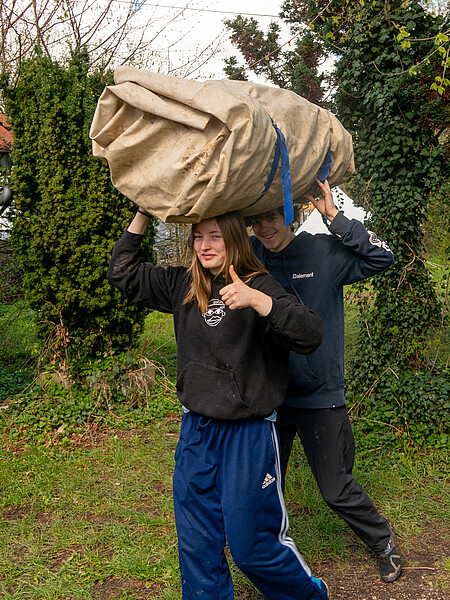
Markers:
(186, 150)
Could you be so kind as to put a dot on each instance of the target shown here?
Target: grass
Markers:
(158, 341)
(75, 523)
(16, 331)
(440, 344)
(351, 323)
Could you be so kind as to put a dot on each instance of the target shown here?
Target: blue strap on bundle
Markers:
(325, 168)
(323, 171)
(288, 201)
(281, 150)
(276, 160)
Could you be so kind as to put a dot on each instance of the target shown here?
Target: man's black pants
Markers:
(329, 445)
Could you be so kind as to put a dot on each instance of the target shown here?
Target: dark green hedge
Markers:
(67, 213)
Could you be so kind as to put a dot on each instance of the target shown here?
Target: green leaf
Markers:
(441, 38)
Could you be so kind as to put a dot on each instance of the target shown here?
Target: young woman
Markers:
(234, 326)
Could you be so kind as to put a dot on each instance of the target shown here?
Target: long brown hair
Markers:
(238, 252)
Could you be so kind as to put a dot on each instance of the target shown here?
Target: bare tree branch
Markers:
(114, 33)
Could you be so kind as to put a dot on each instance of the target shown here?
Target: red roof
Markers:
(5, 135)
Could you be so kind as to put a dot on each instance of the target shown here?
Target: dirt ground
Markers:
(423, 576)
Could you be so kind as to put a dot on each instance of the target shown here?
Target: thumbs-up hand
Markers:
(236, 294)
(240, 295)
(234, 276)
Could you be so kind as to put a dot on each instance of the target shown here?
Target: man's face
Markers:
(269, 228)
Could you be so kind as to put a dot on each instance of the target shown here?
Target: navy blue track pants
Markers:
(227, 489)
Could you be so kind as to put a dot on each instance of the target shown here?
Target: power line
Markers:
(208, 10)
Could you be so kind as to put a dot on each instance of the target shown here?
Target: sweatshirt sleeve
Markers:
(140, 282)
(299, 327)
(360, 254)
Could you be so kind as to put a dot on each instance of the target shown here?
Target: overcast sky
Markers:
(202, 26)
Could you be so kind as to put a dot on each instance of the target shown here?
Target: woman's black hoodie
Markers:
(231, 364)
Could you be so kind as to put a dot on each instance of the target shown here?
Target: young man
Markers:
(315, 268)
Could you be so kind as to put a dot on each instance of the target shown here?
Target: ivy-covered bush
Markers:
(67, 213)
(400, 166)
(403, 409)
(386, 99)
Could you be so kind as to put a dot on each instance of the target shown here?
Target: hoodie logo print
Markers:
(215, 312)
(375, 241)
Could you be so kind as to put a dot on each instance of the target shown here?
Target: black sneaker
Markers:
(390, 562)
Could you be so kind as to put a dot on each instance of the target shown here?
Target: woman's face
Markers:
(209, 245)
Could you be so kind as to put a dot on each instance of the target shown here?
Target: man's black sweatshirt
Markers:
(315, 268)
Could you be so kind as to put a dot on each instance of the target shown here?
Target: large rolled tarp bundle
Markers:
(187, 150)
